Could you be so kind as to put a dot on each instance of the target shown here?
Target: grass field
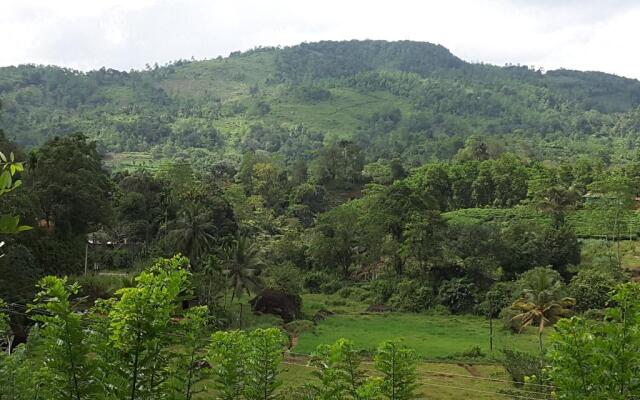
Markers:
(432, 336)
(437, 381)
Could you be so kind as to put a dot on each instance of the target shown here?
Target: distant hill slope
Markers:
(403, 99)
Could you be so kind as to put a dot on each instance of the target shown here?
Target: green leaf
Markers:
(5, 180)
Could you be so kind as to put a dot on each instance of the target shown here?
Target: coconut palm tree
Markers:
(242, 266)
(541, 302)
(193, 233)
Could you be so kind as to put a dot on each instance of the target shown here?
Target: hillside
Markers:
(409, 100)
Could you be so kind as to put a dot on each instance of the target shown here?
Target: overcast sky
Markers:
(87, 34)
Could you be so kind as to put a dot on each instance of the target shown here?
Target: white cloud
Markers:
(580, 34)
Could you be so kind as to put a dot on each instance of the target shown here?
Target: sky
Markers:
(596, 35)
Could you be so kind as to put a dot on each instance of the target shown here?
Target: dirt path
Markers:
(470, 369)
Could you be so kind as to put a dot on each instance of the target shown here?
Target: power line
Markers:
(483, 391)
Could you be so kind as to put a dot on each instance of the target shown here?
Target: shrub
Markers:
(411, 296)
(383, 289)
(439, 309)
(286, 278)
(457, 294)
(497, 298)
(520, 365)
(591, 287)
(354, 293)
(298, 327)
(315, 280)
(473, 352)
(506, 315)
(102, 286)
(321, 282)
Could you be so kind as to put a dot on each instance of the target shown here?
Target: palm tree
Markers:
(193, 233)
(242, 266)
(541, 302)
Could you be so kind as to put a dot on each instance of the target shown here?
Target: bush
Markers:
(591, 287)
(497, 298)
(285, 278)
(439, 309)
(314, 281)
(116, 259)
(473, 352)
(354, 293)
(520, 365)
(102, 286)
(321, 282)
(298, 327)
(332, 286)
(458, 295)
(411, 296)
(383, 289)
(506, 315)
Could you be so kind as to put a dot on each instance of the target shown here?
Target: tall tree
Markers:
(72, 186)
(242, 266)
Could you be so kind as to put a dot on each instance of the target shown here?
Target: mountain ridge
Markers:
(403, 98)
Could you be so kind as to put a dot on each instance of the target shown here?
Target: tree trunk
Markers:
(540, 338)
(491, 333)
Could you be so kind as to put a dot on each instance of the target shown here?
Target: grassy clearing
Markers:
(432, 336)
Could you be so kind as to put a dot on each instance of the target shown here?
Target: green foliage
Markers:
(319, 282)
(340, 373)
(591, 287)
(246, 365)
(4, 320)
(193, 233)
(72, 185)
(242, 266)
(265, 359)
(285, 278)
(132, 342)
(411, 296)
(186, 370)
(397, 364)
(10, 224)
(333, 242)
(227, 354)
(66, 372)
(596, 359)
(541, 302)
(521, 365)
(457, 295)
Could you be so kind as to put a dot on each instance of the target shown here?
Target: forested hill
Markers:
(409, 100)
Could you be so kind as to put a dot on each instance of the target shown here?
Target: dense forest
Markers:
(168, 233)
